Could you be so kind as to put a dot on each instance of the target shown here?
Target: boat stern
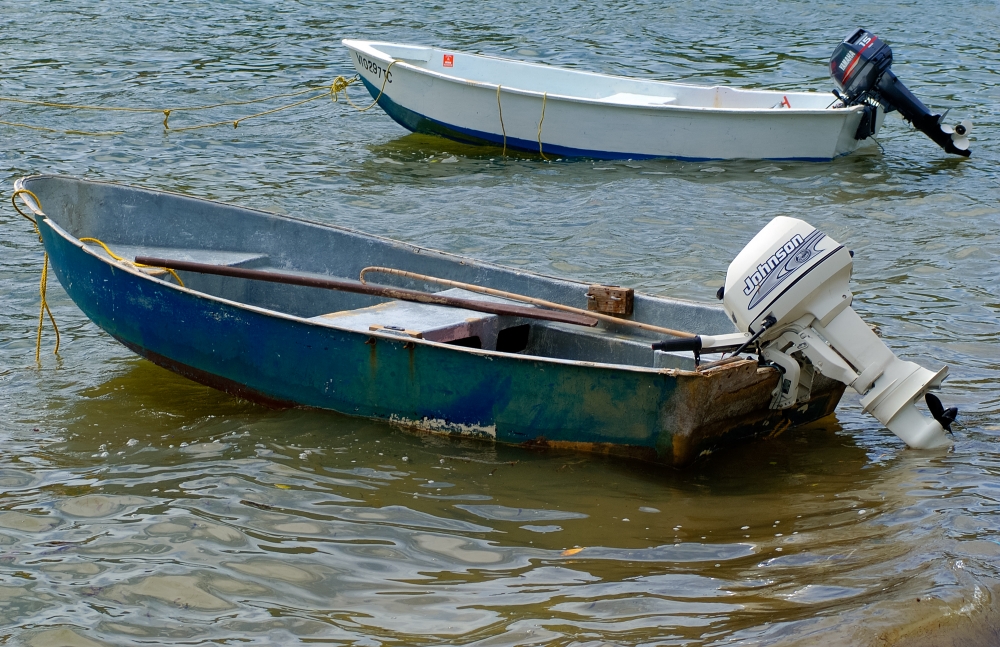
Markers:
(863, 122)
(724, 405)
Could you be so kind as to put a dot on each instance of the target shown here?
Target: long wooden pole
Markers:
(374, 290)
(471, 287)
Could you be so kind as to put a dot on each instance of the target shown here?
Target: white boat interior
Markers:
(570, 84)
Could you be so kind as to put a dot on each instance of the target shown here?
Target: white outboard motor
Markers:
(788, 291)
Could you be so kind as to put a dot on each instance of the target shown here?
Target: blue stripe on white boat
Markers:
(419, 123)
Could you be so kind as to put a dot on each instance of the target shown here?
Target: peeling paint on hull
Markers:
(438, 426)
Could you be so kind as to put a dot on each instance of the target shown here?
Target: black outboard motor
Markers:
(860, 68)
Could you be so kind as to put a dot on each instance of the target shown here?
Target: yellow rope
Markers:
(339, 85)
(43, 284)
(62, 132)
(75, 106)
(52, 104)
(34, 197)
(502, 129)
(544, 94)
(236, 122)
(335, 88)
(166, 113)
(133, 263)
(385, 77)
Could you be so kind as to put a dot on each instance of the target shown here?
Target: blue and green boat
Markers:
(515, 374)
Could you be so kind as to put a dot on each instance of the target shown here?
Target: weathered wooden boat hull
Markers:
(582, 118)
(279, 359)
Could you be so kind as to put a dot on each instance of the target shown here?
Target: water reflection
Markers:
(256, 509)
(333, 526)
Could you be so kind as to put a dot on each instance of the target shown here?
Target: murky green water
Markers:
(137, 507)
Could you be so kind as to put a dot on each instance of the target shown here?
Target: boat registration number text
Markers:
(373, 68)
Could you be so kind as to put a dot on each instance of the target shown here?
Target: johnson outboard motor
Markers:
(860, 68)
(788, 292)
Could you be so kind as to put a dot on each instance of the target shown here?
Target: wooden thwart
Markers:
(471, 287)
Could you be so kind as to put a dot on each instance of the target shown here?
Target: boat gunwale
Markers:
(130, 268)
(367, 47)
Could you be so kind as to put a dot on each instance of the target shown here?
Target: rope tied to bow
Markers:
(43, 284)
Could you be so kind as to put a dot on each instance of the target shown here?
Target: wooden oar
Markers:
(374, 290)
(471, 287)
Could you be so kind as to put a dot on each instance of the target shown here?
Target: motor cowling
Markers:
(789, 289)
(860, 69)
(859, 62)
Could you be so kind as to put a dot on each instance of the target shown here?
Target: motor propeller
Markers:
(959, 134)
(944, 416)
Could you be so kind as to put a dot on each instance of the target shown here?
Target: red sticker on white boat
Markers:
(449, 60)
(786, 103)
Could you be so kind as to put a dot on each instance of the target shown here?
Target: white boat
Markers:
(559, 112)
